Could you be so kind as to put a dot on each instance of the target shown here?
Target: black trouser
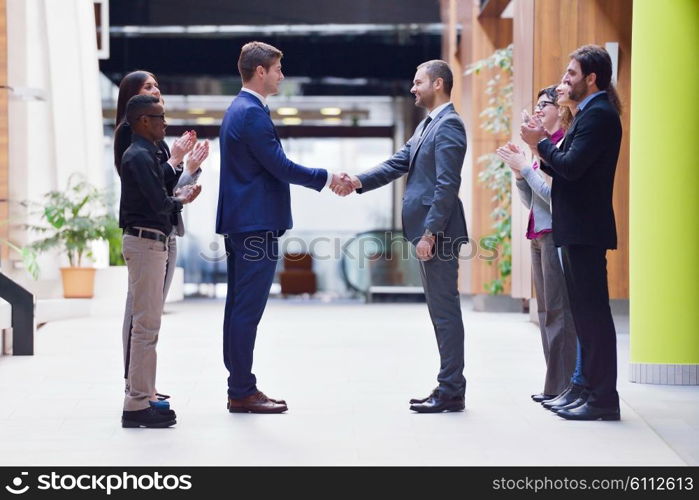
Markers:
(585, 268)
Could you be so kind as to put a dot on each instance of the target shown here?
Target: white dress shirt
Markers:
(433, 114)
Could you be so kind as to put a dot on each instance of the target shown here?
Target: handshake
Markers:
(343, 184)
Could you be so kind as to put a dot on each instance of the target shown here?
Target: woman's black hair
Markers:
(135, 108)
(130, 86)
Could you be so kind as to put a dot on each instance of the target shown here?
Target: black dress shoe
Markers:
(570, 394)
(541, 397)
(578, 402)
(566, 397)
(587, 412)
(150, 417)
(415, 401)
(438, 404)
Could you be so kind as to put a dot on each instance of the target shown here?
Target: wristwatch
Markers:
(428, 234)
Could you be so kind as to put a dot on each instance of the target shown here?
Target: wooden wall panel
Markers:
(489, 34)
(463, 87)
(480, 36)
(4, 166)
(523, 62)
(451, 51)
(560, 27)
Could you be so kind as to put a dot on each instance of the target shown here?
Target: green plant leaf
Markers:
(71, 219)
(495, 174)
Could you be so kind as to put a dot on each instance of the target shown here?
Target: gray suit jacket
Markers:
(433, 162)
(184, 180)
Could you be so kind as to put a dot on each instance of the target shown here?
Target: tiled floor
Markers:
(347, 371)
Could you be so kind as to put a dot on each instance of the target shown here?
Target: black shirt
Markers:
(144, 199)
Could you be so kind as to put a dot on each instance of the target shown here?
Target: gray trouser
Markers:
(439, 279)
(147, 266)
(555, 319)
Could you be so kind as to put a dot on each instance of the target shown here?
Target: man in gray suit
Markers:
(433, 220)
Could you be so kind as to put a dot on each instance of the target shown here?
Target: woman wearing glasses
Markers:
(175, 175)
(555, 320)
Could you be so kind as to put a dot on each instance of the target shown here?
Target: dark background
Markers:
(385, 61)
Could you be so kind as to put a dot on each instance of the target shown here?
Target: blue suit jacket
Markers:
(255, 172)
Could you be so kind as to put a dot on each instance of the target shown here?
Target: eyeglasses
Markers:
(541, 105)
(162, 117)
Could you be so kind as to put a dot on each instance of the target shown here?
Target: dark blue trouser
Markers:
(578, 378)
(252, 260)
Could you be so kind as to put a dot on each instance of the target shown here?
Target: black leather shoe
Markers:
(541, 397)
(578, 402)
(438, 404)
(566, 397)
(150, 417)
(415, 401)
(587, 412)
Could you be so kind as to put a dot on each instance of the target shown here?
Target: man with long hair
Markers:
(583, 221)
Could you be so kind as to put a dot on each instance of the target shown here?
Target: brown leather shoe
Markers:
(256, 403)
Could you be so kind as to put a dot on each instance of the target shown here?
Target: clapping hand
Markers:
(513, 156)
(182, 146)
(532, 131)
(344, 184)
(187, 194)
(197, 156)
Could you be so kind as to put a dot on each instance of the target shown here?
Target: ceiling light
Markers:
(330, 111)
(332, 120)
(292, 120)
(287, 111)
(197, 111)
(205, 120)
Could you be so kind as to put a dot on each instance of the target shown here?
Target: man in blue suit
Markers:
(254, 209)
(433, 220)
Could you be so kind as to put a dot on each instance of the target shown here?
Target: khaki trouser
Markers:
(147, 266)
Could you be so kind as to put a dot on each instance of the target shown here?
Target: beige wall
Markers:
(54, 114)
(4, 169)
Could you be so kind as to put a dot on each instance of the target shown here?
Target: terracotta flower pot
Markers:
(78, 282)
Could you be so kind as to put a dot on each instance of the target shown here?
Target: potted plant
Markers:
(70, 220)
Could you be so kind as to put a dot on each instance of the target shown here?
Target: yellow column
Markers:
(664, 193)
